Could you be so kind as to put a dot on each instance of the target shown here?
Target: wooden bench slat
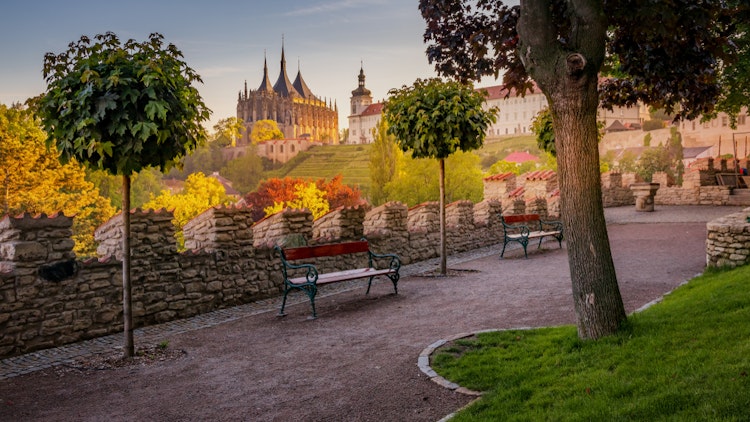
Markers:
(525, 218)
(307, 252)
(344, 275)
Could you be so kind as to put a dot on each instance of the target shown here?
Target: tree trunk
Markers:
(127, 301)
(596, 295)
(567, 74)
(443, 248)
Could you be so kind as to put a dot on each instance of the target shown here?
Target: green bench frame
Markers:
(522, 228)
(312, 279)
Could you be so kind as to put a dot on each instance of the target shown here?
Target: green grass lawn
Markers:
(685, 359)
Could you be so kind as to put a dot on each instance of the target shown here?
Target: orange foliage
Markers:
(339, 194)
(283, 190)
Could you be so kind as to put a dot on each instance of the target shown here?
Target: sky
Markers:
(226, 42)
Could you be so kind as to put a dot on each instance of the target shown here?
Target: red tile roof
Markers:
(517, 192)
(541, 175)
(520, 157)
(499, 177)
(496, 92)
(373, 109)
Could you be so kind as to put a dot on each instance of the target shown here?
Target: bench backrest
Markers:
(525, 218)
(306, 252)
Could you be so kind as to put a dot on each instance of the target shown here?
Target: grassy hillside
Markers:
(351, 161)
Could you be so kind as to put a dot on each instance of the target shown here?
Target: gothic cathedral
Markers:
(299, 113)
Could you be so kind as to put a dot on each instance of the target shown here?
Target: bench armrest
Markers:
(554, 225)
(394, 263)
(515, 228)
(311, 274)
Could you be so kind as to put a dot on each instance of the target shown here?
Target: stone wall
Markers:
(728, 240)
(49, 298)
(699, 187)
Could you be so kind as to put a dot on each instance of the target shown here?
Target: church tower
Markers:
(361, 97)
(365, 115)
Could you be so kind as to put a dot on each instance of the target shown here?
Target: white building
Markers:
(364, 115)
(515, 112)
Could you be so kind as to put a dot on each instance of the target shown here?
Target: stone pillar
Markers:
(424, 218)
(341, 224)
(499, 185)
(644, 195)
(151, 235)
(28, 242)
(386, 229)
(291, 227)
(220, 228)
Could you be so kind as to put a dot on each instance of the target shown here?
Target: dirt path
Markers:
(358, 360)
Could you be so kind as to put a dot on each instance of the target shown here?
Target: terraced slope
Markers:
(350, 161)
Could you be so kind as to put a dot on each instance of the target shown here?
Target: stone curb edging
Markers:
(423, 362)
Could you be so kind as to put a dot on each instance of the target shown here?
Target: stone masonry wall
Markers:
(728, 240)
(50, 299)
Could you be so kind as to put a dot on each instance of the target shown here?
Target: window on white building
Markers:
(741, 119)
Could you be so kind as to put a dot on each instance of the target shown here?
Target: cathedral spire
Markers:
(283, 86)
(300, 85)
(265, 85)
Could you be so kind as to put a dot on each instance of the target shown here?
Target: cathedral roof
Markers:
(301, 87)
(266, 84)
(283, 86)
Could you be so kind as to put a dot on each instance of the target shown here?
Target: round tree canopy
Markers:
(434, 119)
(122, 107)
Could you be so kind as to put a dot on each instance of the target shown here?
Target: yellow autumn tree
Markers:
(305, 196)
(197, 195)
(33, 180)
(265, 130)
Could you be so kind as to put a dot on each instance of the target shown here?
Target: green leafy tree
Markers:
(677, 153)
(735, 78)
(654, 160)
(384, 156)
(563, 45)
(245, 171)
(647, 140)
(265, 130)
(417, 179)
(541, 126)
(227, 131)
(503, 166)
(143, 185)
(121, 107)
(434, 119)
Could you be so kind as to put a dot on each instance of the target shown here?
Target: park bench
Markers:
(311, 278)
(521, 228)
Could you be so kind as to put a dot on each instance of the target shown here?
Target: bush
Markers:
(653, 125)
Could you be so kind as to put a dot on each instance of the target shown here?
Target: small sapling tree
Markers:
(434, 119)
(121, 107)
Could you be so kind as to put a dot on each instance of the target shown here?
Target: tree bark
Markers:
(443, 248)
(127, 301)
(567, 74)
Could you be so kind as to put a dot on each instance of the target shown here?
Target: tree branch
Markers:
(535, 30)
